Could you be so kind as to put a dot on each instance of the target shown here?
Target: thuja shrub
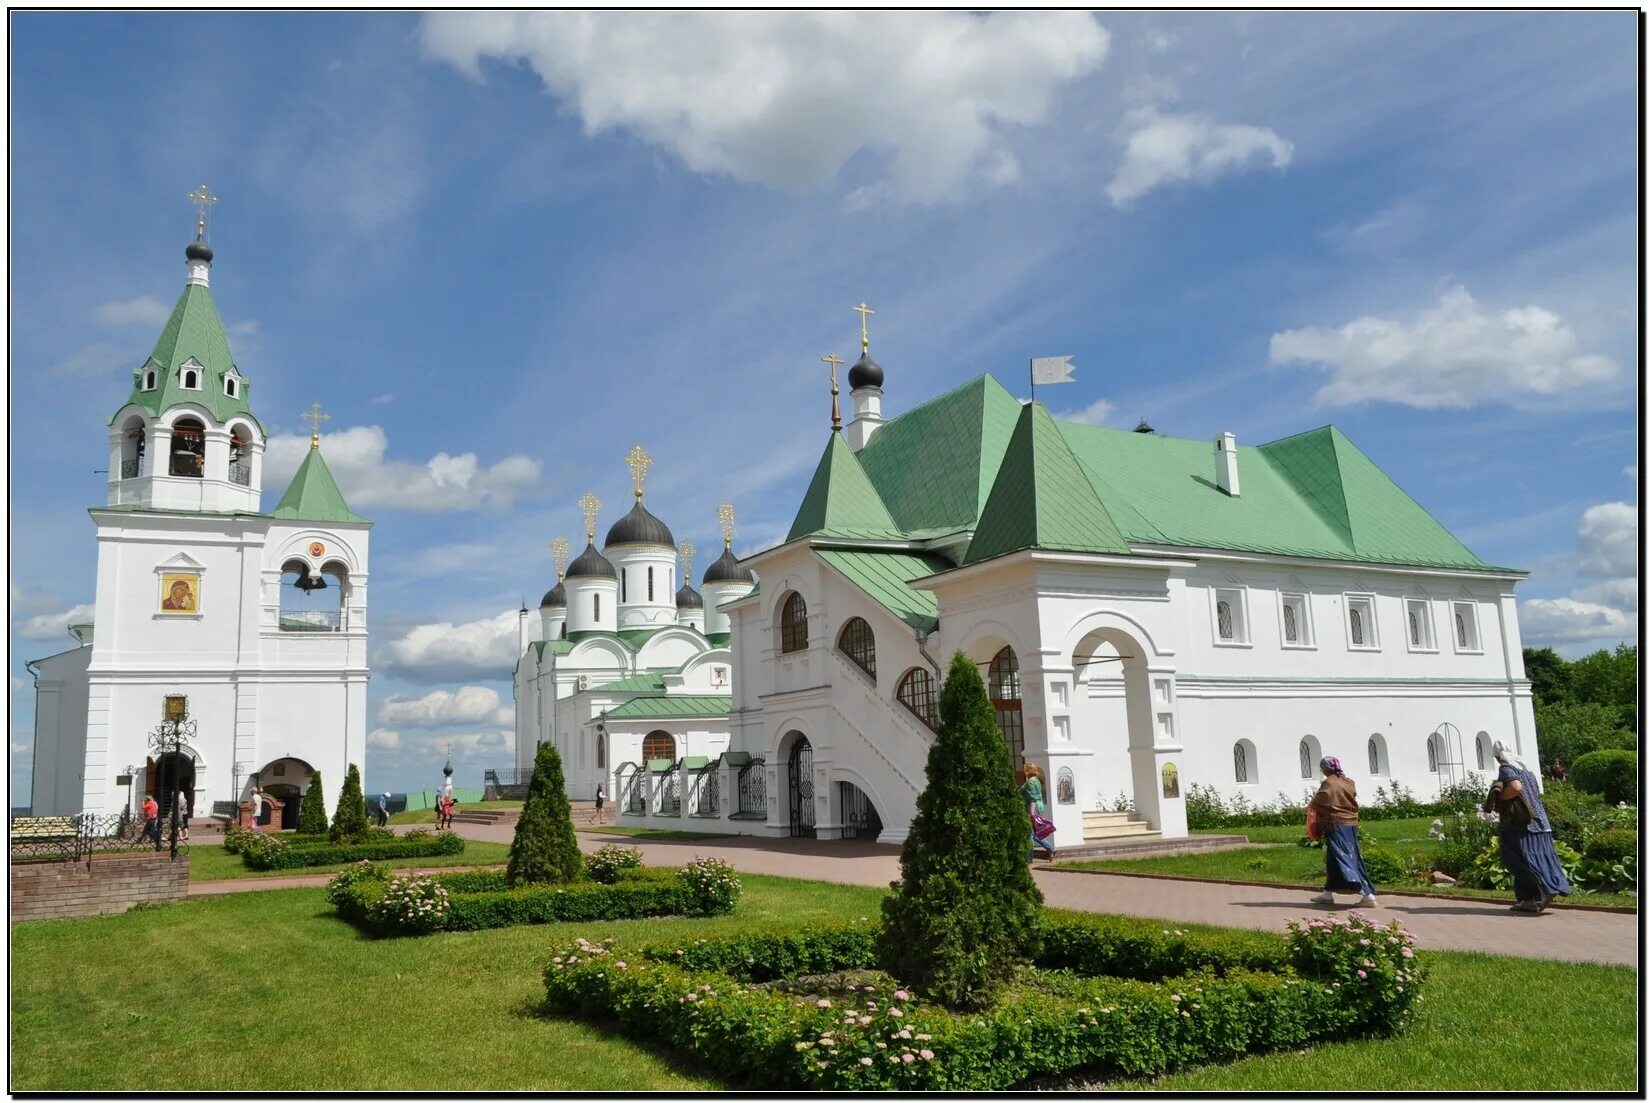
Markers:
(312, 810)
(862, 1030)
(349, 819)
(964, 911)
(272, 852)
(545, 848)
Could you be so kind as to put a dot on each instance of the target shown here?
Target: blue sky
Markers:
(502, 249)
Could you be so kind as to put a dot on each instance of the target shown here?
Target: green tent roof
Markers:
(193, 332)
(841, 502)
(314, 495)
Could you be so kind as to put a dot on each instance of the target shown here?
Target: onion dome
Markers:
(198, 250)
(688, 598)
(591, 564)
(728, 569)
(555, 597)
(640, 527)
(865, 372)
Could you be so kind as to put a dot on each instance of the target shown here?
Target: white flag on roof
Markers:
(1051, 369)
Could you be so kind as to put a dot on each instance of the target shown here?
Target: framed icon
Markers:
(177, 708)
(1170, 780)
(316, 550)
(180, 593)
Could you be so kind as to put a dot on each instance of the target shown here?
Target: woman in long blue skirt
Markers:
(1529, 852)
(1336, 805)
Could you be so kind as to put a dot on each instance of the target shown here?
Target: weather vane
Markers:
(835, 390)
(314, 416)
(202, 199)
(687, 551)
(864, 312)
(639, 462)
(559, 547)
(591, 505)
(724, 512)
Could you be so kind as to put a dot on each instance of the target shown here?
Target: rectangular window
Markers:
(624, 585)
(1417, 615)
(1296, 621)
(597, 599)
(1230, 617)
(1465, 627)
(1361, 631)
(649, 584)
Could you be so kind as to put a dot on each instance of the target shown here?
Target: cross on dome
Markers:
(202, 199)
(835, 403)
(864, 313)
(687, 551)
(591, 505)
(639, 461)
(724, 513)
(559, 547)
(314, 416)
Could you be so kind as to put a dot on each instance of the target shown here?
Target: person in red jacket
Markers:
(151, 818)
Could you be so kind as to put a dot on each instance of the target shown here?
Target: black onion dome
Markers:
(640, 527)
(728, 569)
(591, 564)
(865, 372)
(199, 250)
(688, 598)
(557, 596)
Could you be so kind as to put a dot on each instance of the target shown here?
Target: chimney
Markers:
(1225, 462)
(523, 631)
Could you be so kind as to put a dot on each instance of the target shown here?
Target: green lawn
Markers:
(208, 862)
(1393, 833)
(427, 815)
(301, 1001)
(641, 832)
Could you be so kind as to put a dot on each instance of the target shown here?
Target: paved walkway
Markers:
(1437, 923)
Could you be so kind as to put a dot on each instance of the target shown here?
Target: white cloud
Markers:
(96, 360)
(384, 739)
(357, 458)
(144, 310)
(53, 626)
(1454, 354)
(1166, 149)
(1566, 620)
(451, 652)
(1631, 472)
(787, 98)
(1600, 613)
(1095, 413)
(383, 398)
(469, 705)
(1608, 540)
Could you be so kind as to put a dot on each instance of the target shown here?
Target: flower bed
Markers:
(483, 899)
(810, 1010)
(274, 852)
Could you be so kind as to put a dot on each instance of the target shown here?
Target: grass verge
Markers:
(213, 863)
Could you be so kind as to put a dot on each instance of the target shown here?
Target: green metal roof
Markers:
(681, 707)
(635, 683)
(840, 501)
(884, 575)
(720, 639)
(1042, 498)
(194, 331)
(314, 495)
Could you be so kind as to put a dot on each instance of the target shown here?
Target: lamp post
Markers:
(234, 794)
(601, 742)
(176, 731)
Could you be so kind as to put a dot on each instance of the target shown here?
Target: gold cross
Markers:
(864, 325)
(591, 505)
(202, 199)
(687, 552)
(559, 547)
(835, 404)
(639, 462)
(725, 513)
(314, 416)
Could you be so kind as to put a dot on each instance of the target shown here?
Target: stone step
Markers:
(1116, 830)
(490, 818)
(1150, 844)
(1106, 817)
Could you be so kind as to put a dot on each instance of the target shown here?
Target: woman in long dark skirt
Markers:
(1336, 804)
(1528, 852)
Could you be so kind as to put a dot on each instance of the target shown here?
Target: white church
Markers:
(1148, 613)
(248, 625)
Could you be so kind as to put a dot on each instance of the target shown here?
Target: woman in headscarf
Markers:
(1527, 849)
(1030, 791)
(1336, 805)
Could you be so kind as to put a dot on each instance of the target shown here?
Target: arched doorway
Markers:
(290, 798)
(801, 787)
(1111, 656)
(1003, 684)
(859, 818)
(170, 773)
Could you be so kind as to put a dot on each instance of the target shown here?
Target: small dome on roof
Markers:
(198, 250)
(557, 596)
(591, 564)
(640, 527)
(728, 569)
(688, 598)
(865, 372)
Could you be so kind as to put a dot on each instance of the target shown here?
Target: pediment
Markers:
(182, 561)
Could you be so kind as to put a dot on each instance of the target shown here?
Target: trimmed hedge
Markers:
(1203, 1000)
(1613, 775)
(273, 852)
(1613, 845)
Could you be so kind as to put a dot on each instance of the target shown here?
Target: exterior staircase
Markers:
(490, 817)
(1115, 827)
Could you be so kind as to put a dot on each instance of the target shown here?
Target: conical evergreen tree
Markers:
(545, 849)
(312, 812)
(965, 910)
(349, 821)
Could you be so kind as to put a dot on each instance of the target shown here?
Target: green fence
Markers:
(426, 798)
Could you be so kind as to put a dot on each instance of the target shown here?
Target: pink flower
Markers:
(1407, 952)
(823, 1003)
(1361, 975)
(927, 1055)
(620, 965)
(907, 1058)
(1175, 997)
(895, 1012)
(692, 995)
(864, 1060)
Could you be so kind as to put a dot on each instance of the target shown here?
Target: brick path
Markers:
(1437, 923)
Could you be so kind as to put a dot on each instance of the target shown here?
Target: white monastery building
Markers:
(252, 624)
(1148, 613)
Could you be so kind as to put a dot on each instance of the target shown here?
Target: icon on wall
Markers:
(317, 549)
(179, 593)
(1065, 786)
(1170, 780)
(718, 675)
(176, 709)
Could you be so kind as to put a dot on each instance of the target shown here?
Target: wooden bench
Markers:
(42, 827)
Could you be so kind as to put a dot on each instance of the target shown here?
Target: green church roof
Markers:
(841, 502)
(314, 495)
(884, 576)
(193, 332)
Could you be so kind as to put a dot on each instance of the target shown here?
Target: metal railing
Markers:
(752, 788)
(189, 464)
(635, 792)
(311, 620)
(709, 803)
(131, 469)
(83, 836)
(240, 472)
(669, 791)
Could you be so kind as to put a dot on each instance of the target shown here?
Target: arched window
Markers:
(601, 750)
(858, 644)
(793, 625)
(597, 607)
(1222, 612)
(188, 448)
(229, 385)
(149, 380)
(1239, 755)
(1310, 754)
(916, 694)
(191, 380)
(1414, 628)
(659, 744)
(1291, 625)
(1004, 690)
(1374, 755)
(240, 464)
(1485, 750)
(1357, 628)
(132, 447)
(649, 584)
(624, 585)
(1431, 753)
(1460, 631)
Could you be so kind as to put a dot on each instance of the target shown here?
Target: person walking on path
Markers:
(183, 815)
(600, 799)
(1030, 789)
(151, 819)
(1527, 849)
(1335, 810)
(383, 810)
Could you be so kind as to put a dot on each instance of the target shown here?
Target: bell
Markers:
(310, 583)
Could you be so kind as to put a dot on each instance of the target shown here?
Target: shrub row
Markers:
(1335, 980)
(274, 852)
(1205, 809)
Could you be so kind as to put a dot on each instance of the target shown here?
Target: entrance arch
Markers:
(286, 780)
(860, 819)
(1108, 645)
(799, 775)
(171, 773)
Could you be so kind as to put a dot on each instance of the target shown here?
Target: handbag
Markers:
(1517, 811)
(1313, 825)
(1041, 826)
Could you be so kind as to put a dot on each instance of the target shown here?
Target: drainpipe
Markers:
(922, 639)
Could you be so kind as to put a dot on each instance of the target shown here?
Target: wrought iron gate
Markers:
(859, 818)
(801, 788)
(753, 787)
